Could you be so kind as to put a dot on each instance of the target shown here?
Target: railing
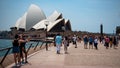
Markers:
(9, 48)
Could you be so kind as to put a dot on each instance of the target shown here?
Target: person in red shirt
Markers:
(107, 42)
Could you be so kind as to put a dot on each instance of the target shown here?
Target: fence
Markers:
(28, 49)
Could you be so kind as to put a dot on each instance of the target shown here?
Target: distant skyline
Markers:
(84, 15)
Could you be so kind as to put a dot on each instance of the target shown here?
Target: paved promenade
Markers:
(77, 58)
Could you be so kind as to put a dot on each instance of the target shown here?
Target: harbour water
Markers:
(5, 43)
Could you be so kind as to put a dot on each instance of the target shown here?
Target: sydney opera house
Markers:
(35, 19)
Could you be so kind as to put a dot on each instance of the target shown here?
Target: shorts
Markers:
(106, 44)
(74, 42)
(85, 43)
(16, 49)
(90, 43)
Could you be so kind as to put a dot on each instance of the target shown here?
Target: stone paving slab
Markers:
(77, 58)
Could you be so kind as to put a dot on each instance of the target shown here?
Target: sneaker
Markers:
(26, 61)
(75, 47)
(22, 62)
(58, 52)
(66, 52)
(15, 64)
(19, 64)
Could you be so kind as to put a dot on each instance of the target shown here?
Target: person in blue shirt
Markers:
(58, 42)
(85, 41)
(90, 42)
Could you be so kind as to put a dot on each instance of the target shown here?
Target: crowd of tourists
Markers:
(108, 41)
(90, 42)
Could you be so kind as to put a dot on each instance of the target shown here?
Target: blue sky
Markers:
(85, 15)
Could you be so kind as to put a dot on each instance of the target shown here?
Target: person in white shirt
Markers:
(96, 43)
(74, 41)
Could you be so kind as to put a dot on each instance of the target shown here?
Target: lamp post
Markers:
(46, 24)
(63, 28)
(113, 32)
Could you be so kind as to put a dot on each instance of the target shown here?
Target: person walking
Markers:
(115, 42)
(107, 42)
(75, 41)
(91, 42)
(111, 41)
(16, 50)
(96, 43)
(58, 42)
(85, 41)
(66, 44)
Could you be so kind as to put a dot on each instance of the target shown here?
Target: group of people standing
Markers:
(66, 40)
(19, 48)
(91, 40)
(111, 41)
(108, 41)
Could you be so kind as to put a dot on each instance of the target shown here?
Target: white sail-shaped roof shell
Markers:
(51, 25)
(52, 21)
(17, 23)
(40, 25)
(22, 23)
(67, 24)
(34, 15)
(66, 20)
(35, 18)
(54, 16)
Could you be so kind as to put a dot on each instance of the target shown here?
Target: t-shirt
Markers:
(85, 39)
(107, 40)
(96, 41)
(90, 39)
(58, 40)
(74, 39)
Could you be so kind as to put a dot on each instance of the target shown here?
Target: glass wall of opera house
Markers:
(34, 19)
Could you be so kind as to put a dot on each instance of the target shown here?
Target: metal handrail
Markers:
(42, 44)
(36, 45)
(29, 47)
(5, 48)
(9, 48)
